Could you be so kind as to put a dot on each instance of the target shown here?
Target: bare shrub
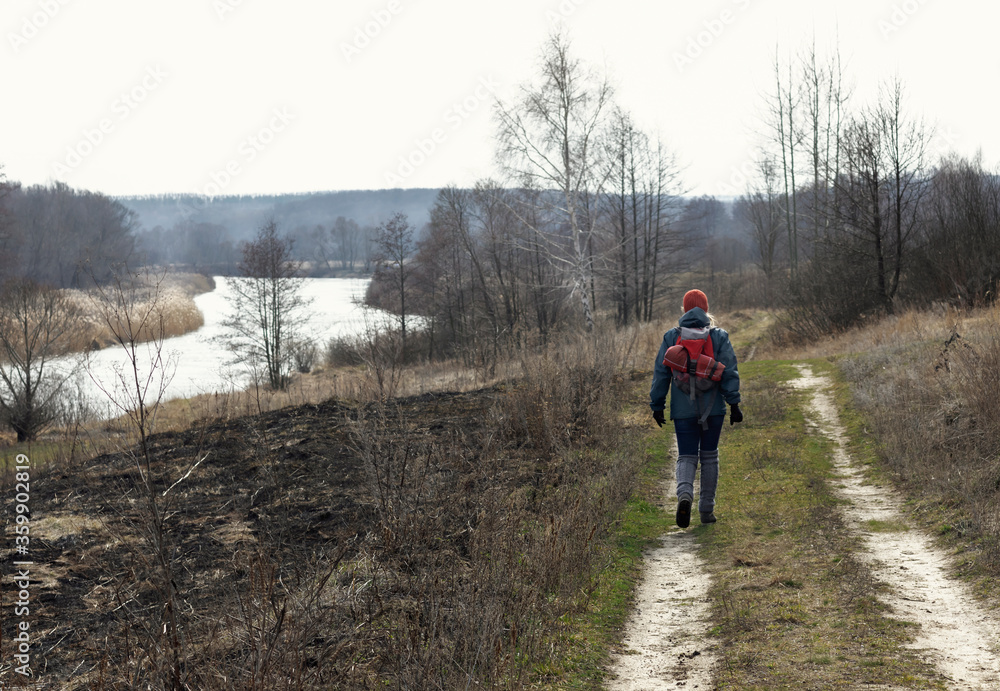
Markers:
(148, 597)
(304, 354)
(565, 395)
(381, 351)
(342, 351)
(524, 499)
(35, 325)
(278, 629)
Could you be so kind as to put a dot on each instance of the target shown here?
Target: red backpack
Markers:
(694, 367)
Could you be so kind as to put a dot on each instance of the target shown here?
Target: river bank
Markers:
(171, 296)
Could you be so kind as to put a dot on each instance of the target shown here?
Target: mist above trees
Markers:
(331, 232)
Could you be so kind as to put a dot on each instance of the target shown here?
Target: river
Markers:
(197, 362)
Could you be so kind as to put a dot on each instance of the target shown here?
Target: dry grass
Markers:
(341, 383)
(631, 350)
(895, 331)
(927, 384)
(429, 542)
(175, 312)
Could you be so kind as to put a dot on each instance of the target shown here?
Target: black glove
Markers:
(735, 414)
(658, 416)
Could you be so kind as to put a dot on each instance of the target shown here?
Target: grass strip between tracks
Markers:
(793, 604)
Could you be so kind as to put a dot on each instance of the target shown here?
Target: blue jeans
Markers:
(696, 445)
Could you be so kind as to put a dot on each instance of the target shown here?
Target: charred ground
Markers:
(408, 544)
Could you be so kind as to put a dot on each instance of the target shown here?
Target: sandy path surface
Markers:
(958, 636)
(666, 642)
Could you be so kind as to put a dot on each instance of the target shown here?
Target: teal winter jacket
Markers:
(681, 405)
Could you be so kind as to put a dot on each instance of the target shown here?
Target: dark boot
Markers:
(684, 511)
(708, 517)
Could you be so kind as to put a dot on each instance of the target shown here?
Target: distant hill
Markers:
(242, 215)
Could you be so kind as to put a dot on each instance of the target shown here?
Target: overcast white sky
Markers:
(261, 96)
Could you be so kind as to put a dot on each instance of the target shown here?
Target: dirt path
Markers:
(666, 643)
(958, 636)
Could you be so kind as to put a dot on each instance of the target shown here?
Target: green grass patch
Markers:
(877, 526)
(591, 631)
(792, 605)
(45, 452)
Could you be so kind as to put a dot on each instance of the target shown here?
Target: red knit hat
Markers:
(695, 298)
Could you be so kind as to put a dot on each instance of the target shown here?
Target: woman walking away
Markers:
(697, 365)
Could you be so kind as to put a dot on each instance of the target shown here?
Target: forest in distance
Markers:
(332, 232)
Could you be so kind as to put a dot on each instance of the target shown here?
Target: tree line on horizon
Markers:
(62, 237)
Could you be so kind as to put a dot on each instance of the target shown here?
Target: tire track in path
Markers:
(667, 645)
(957, 635)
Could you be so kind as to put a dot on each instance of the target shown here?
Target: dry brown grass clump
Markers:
(929, 385)
(911, 326)
(171, 296)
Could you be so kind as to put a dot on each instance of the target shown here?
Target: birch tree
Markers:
(641, 192)
(548, 140)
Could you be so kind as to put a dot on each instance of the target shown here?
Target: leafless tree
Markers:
(548, 140)
(132, 311)
(7, 224)
(640, 195)
(34, 323)
(785, 108)
(265, 306)
(882, 187)
(761, 209)
(505, 254)
(826, 96)
(959, 248)
(64, 237)
(804, 121)
(394, 248)
(349, 242)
